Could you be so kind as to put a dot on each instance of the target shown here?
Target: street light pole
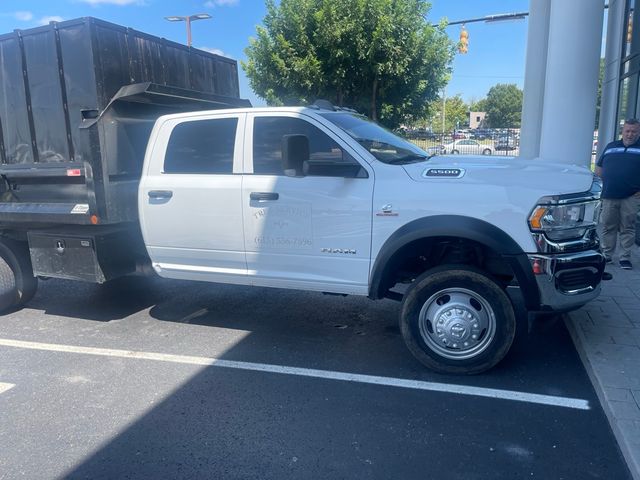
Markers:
(444, 106)
(188, 20)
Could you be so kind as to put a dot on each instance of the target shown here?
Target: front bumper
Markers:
(567, 281)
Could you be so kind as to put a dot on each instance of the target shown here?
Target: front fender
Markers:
(457, 226)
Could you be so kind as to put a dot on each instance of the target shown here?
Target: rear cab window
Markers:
(202, 146)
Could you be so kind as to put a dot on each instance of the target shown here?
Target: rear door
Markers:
(190, 199)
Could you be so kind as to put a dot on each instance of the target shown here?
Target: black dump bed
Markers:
(78, 100)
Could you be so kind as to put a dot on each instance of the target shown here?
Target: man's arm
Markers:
(598, 169)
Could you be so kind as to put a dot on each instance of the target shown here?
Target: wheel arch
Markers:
(453, 227)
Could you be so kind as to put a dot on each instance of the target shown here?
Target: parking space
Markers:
(155, 379)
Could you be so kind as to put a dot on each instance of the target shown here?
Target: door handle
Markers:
(264, 196)
(160, 194)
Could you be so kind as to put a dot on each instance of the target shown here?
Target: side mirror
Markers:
(295, 152)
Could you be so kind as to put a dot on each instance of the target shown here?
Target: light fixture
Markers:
(188, 20)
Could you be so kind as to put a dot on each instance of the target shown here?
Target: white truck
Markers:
(316, 198)
(324, 199)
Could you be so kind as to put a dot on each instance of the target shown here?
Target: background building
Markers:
(476, 119)
(621, 70)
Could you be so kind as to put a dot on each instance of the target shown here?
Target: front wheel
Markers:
(455, 152)
(456, 319)
(486, 151)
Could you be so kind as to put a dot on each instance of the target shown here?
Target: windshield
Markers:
(380, 142)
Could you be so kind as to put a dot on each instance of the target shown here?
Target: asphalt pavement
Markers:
(159, 379)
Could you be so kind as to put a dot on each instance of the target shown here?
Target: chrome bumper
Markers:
(567, 281)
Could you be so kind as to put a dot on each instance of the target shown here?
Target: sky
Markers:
(496, 50)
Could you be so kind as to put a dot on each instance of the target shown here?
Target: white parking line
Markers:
(575, 403)
(5, 386)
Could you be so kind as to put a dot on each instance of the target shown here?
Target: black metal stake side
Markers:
(63, 92)
(96, 177)
(93, 91)
(27, 95)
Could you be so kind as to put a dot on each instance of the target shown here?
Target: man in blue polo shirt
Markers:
(619, 168)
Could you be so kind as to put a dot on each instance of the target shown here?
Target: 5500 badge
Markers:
(444, 172)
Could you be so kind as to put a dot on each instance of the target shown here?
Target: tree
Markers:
(504, 106)
(381, 57)
(478, 106)
(456, 113)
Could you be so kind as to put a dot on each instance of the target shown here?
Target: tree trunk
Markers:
(374, 92)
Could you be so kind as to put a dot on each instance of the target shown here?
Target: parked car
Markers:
(506, 143)
(459, 135)
(482, 134)
(467, 146)
(418, 133)
(435, 150)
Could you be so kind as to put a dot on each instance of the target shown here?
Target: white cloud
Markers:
(52, 18)
(215, 51)
(23, 16)
(220, 3)
(114, 2)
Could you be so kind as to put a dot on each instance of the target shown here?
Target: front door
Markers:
(311, 232)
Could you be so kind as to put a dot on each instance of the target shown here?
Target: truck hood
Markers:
(547, 177)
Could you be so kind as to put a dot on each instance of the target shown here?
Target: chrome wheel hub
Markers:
(457, 323)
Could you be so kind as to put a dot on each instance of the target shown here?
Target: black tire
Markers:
(455, 152)
(486, 151)
(17, 283)
(476, 317)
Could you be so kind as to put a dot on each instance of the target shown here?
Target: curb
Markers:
(629, 451)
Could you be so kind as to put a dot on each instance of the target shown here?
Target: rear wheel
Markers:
(455, 152)
(17, 283)
(456, 319)
(486, 151)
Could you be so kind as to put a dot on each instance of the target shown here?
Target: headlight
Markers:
(564, 222)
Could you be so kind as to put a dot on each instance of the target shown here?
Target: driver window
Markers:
(267, 145)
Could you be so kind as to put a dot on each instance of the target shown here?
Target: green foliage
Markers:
(379, 56)
(504, 106)
(478, 106)
(456, 114)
